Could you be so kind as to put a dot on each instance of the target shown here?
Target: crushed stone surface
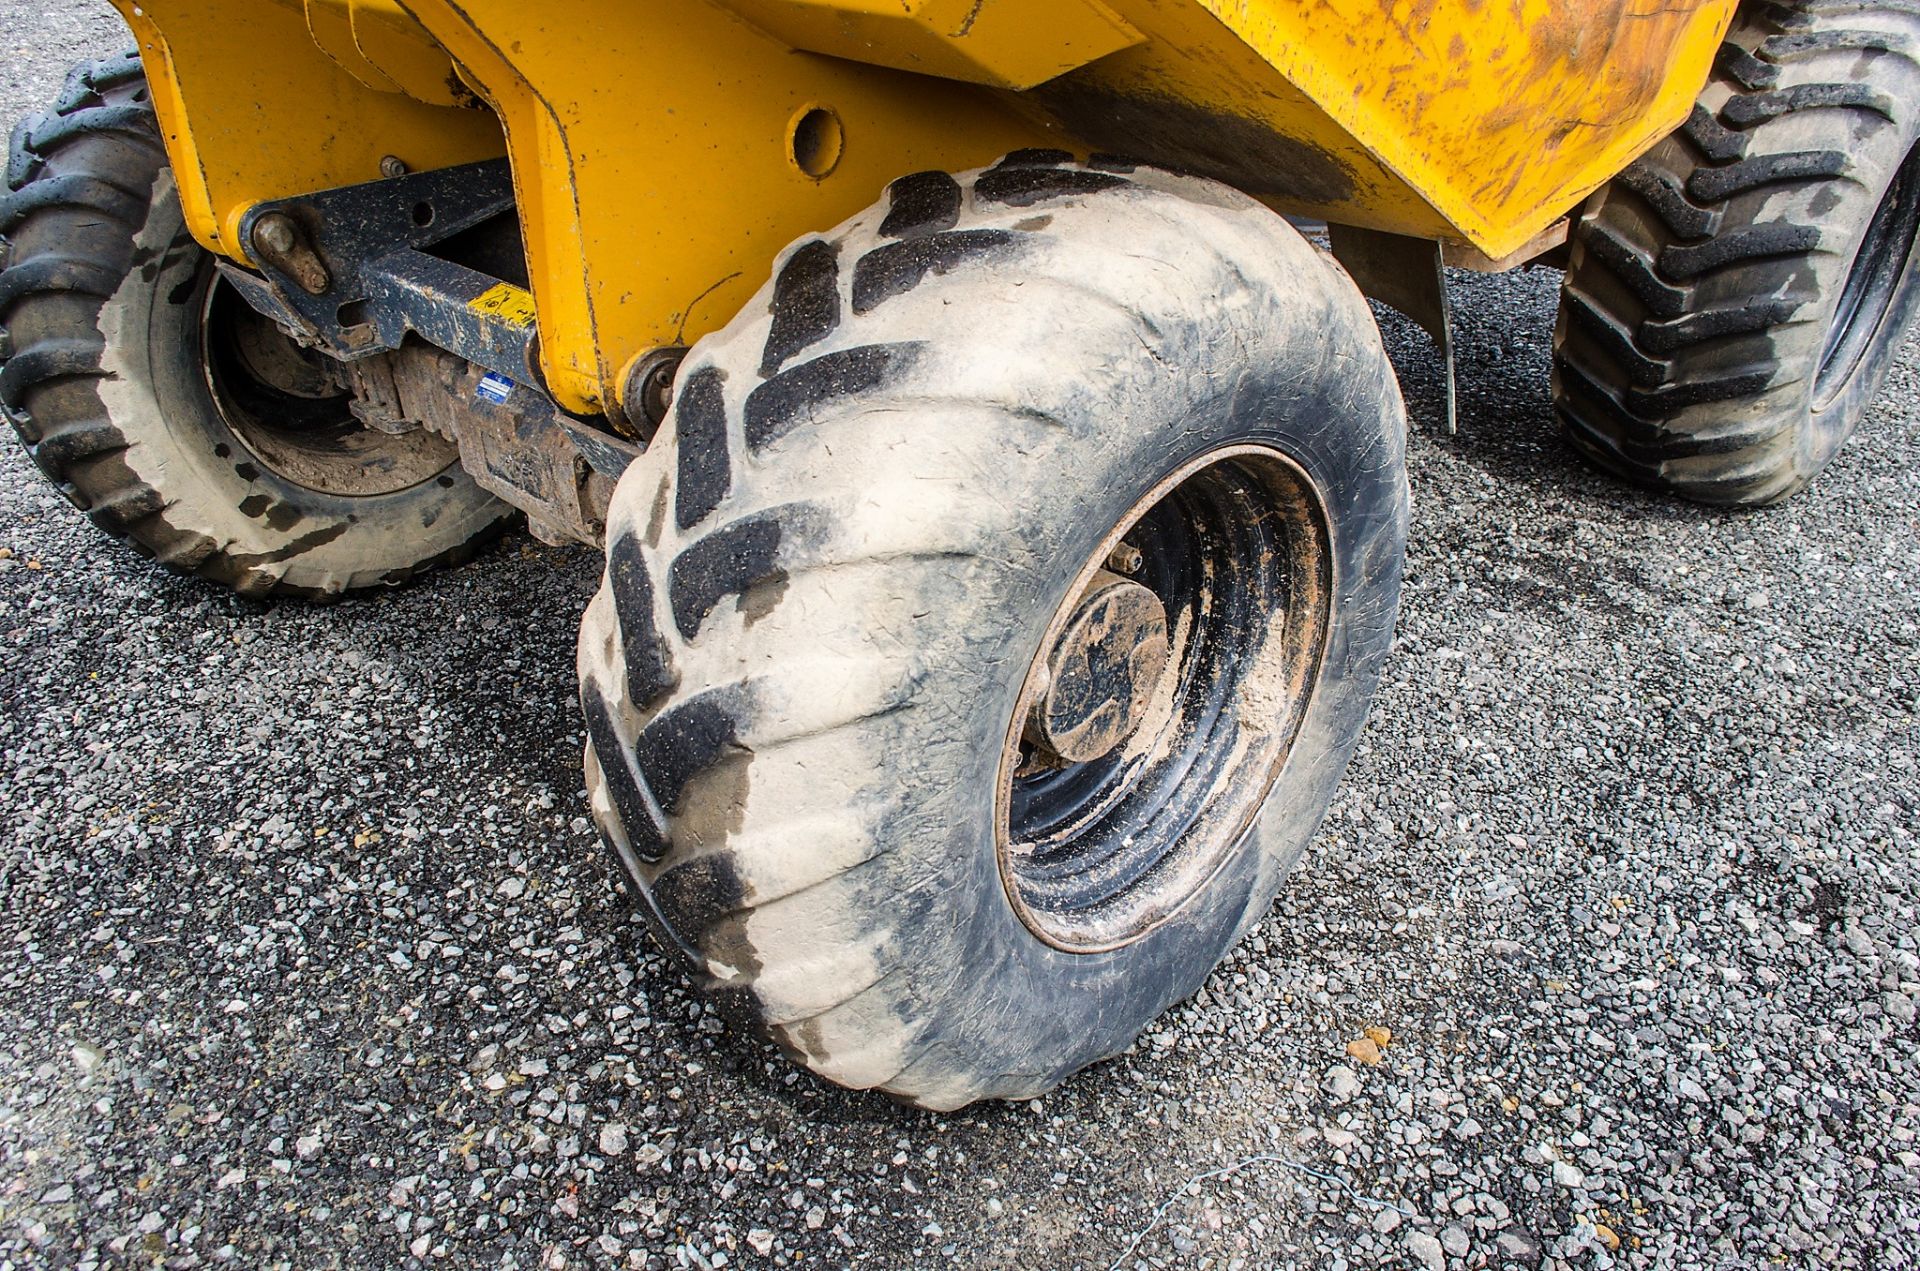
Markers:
(308, 958)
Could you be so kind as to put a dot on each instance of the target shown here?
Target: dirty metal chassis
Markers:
(400, 280)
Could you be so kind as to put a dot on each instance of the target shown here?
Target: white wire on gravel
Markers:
(1264, 1158)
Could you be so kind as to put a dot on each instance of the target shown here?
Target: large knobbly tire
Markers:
(829, 574)
(1734, 298)
(103, 374)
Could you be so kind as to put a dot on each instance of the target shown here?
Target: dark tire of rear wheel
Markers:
(1734, 300)
(104, 376)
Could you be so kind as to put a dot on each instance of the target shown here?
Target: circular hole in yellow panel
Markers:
(815, 141)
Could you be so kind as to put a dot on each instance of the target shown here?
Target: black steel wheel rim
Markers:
(1097, 854)
(290, 407)
(1873, 283)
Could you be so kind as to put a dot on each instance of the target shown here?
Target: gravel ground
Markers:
(309, 961)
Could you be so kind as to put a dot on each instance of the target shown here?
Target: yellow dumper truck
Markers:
(1003, 503)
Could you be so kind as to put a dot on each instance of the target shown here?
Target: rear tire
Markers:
(830, 577)
(134, 378)
(1734, 299)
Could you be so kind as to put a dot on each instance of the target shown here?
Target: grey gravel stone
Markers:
(1627, 862)
(1519, 1247)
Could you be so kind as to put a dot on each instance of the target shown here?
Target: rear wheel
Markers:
(166, 408)
(988, 626)
(1734, 299)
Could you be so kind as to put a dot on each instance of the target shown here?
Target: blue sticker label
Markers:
(494, 387)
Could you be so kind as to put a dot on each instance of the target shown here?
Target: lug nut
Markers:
(1125, 558)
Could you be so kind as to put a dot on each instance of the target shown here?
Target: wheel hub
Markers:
(1102, 671)
(1163, 697)
(292, 409)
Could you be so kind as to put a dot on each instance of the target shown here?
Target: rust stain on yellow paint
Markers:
(1499, 114)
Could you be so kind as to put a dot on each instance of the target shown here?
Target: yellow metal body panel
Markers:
(1502, 117)
(653, 161)
(1004, 43)
(379, 44)
(253, 110)
(1438, 118)
(330, 23)
(1196, 98)
(663, 154)
(1433, 118)
(392, 41)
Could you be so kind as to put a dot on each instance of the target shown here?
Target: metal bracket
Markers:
(1407, 275)
(346, 268)
(348, 272)
(558, 470)
(513, 440)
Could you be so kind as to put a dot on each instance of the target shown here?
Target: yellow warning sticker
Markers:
(512, 305)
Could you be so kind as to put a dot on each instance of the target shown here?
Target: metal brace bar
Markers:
(484, 320)
(348, 264)
(1408, 275)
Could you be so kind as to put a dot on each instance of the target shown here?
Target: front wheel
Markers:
(984, 634)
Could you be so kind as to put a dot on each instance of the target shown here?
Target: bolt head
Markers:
(274, 233)
(646, 392)
(658, 391)
(392, 165)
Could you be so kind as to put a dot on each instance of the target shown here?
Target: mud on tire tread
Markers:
(81, 188)
(1702, 281)
(871, 486)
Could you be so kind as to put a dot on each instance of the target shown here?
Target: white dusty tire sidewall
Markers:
(1103, 407)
